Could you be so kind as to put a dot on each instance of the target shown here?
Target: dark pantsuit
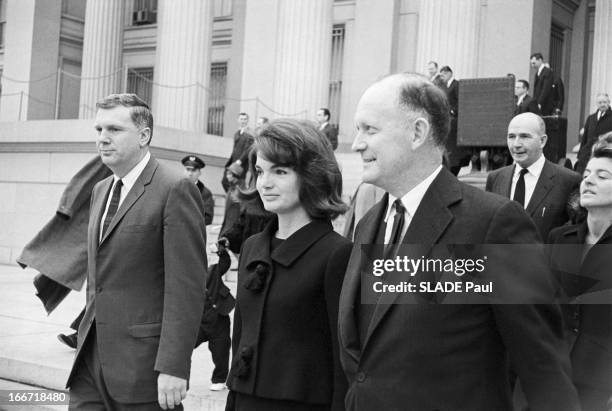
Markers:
(88, 390)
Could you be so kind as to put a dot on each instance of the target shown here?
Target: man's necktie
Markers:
(519, 190)
(396, 229)
(113, 206)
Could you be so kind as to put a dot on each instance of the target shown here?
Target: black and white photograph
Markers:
(274, 205)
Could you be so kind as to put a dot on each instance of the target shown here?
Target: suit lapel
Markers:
(350, 296)
(506, 181)
(544, 184)
(134, 194)
(426, 227)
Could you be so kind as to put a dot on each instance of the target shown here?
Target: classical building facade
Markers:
(199, 63)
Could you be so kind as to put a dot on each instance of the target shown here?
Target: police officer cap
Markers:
(193, 161)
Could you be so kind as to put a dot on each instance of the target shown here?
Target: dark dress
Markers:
(586, 281)
(285, 343)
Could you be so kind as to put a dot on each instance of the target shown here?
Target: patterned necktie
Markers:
(519, 190)
(113, 206)
(396, 229)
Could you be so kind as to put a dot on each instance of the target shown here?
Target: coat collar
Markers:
(292, 248)
(545, 183)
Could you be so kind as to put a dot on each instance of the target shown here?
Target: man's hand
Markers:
(170, 391)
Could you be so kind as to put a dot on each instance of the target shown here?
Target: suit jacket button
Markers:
(361, 377)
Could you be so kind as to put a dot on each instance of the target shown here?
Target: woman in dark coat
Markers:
(285, 345)
(581, 255)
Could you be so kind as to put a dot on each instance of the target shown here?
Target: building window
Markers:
(216, 98)
(140, 82)
(222, 9)
(335, 83)
(2, 22)
(144, 12)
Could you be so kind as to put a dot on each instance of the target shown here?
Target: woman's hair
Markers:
(299, 145)
(603, 147)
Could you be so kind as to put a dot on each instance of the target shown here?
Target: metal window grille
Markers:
(216, 98)
(144, 12)
(222, 8)
(139, 82)
(556, 48)
(335, 83)
(2, 22)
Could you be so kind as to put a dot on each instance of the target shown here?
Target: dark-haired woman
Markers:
(585, 271)
(285, 349)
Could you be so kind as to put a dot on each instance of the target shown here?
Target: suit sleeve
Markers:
(547, 83)
(185, 265)
(333, 137)
(489, 185)
(533, 333)
(334, 276)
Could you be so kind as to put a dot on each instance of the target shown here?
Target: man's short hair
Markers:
(418, 94)
(243, 114)
(326, 112)
(602, 95)
(434, 63)
(446, 69)
(140, 112)
(537, 56)
(525, 83)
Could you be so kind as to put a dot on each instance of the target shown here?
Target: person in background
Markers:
(193, 169)
(243, 140)
(584, 272)
(597, 124)
(323, 116)
(285, 342)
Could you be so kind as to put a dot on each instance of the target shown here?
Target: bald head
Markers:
(402, 122)
(526, 138)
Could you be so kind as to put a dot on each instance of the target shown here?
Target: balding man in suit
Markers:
(398, 354)
(544, 188)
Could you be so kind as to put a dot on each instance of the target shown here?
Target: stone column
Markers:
(182, 64)
(301, 75)
(102, 51)
(449, 34)
(601, 81)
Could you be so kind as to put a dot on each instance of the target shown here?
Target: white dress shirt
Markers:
(531, 178)
(128, 182)
(411, 201)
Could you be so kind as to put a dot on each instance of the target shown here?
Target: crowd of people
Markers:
(305, 335)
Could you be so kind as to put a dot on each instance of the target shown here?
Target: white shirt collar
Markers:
(130, 178)
(322, 126)
(450, 81)
(541, 68)
(412, 199)
(535, 169)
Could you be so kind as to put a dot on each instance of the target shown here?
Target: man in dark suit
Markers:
(524, 102)
(193, 168)
(146, 269)
(243, 140)
(457, 157)
(544, 189)
(596, 124)
(543, 87)
(438, 356)
(323, 116)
